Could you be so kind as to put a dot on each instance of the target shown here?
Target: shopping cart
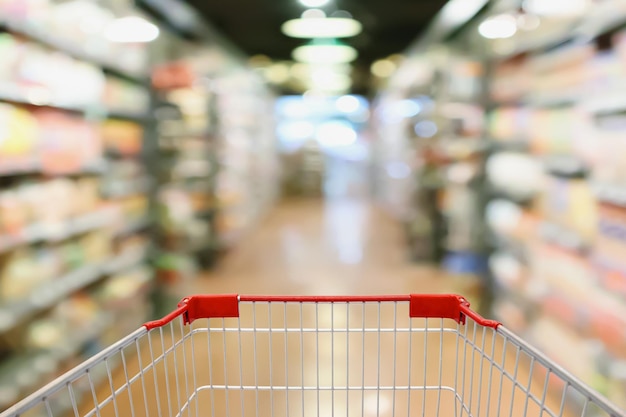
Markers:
(267, 356)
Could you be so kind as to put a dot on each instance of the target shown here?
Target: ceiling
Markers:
(389, 26)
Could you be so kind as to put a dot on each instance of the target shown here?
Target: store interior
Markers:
(152, 149)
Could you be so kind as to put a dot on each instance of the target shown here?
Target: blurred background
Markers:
(155, 148)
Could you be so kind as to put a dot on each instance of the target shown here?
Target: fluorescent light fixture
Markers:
(131, 29)
(326, 79)
(556, 8)
(303, 71)
(331, 27)
(498, 27)
(313, 14)
(324, 54)
(337, 84)
(460, 11)
(314, 3)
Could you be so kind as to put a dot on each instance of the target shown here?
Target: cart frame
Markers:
(450, 308)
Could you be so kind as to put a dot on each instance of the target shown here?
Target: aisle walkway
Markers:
(313, 247)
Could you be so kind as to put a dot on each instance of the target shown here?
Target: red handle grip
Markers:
(448, 306)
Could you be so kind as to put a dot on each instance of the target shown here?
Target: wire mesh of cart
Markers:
(269, 356)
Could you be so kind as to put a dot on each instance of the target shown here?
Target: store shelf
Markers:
(508, 145)
(551, 100)
(133, 116)
(181, 133)
(563, 237)
(126, 260)
(12, 93)
(495, 193)
(48, 295)
(52, 293)
(565, 166)
(26, 166)
(30, 370)
(612, 276)
(42, 232)
(33, 166)
(74, 49)
(510, 245)
(614, 194)
(128, 188)
(604, 17)
(133, 226)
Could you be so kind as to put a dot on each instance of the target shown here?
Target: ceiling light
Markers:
(332, 27)
(341, 13)
(383, 68)
(459, 11)
(313, 14)
(131, 29)
(304, 71)
(498, 27)
(314, 3)
(330, 83)
(324, 54)
(561, 8)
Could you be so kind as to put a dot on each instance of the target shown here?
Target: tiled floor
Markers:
(310, 247)
(313, 248)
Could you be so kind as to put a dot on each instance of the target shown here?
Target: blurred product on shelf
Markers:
(429, 160)
(546, 189)
(24, 211)
(68, 144)
(34, 74)
(125, 97)
(58, 24)
(47, 140)
(74, 203)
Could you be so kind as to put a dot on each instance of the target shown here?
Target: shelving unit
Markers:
(73, 209)
(89, 175)
(35, 33)
(431, 132)
(553, 189)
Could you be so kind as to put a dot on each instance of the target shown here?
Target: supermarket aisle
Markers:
(310, 247)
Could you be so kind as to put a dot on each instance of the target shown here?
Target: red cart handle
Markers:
(447, 306)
